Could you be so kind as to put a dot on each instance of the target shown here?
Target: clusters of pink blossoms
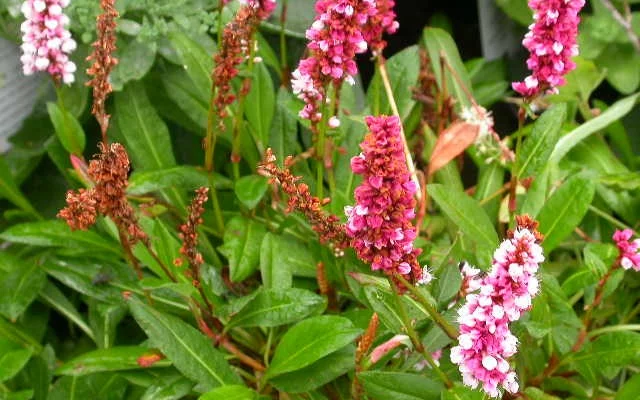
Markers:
(46, 42)
(380, 224)
(551, 42)
(629, 249)
(342, 29)
(486, 343)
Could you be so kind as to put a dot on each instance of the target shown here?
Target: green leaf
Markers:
(12, 361)
(181, 177)
(146, 135)
(19, 395)
(440, 44)
(232, 392)
(191, 352)
(134, 62)
(383, 302)
(621, 63)
(251, 189)
(540, 143)
(618, 110)
(173, 389)
(518, 10)
(469, 216)
(491, 179)
(57, 234)
(39, 373)
(614, 349)
(403, 69)
(564, 210)
(276, 272)
(537, 394)
(309, 341)
(274, 307)
(67, 128)
(317, 374)
(53, 297)
(10, 191)
(19, 287)
(112, 359)
(260, 105)
(630, 390)
(103, 386)
(284, 129)
(196, 60)
(448, 283)
(399, 386)
(104, 319)
(242, 241)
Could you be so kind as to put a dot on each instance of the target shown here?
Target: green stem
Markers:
(239, 116)
(384, 77)
(614, 328)
(449, 329)
(283, 42)
(320, 146)
(414, 337)
(611, 219)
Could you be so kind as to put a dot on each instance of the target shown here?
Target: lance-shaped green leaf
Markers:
(67, 128)
(618, 110)
(251, 189)
(540, 143)
(260, 105)
(468, 215)
(274, 307)
(231, 392)
(630, 390)
(242, 240)
(12, 360)
(146, 135)
(53, 233)
(309, 341)
(189, 351)
(20, 286)
(195, 59)
(614, 349)
(181, 177)
(10, 191)
(564, 210)
(399, 386)
(440, 44)
(112, 359)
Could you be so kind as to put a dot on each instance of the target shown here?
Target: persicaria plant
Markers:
(211, 201)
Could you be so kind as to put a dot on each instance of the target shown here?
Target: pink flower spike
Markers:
(380, 224)
(486, 343)
(341, 30)
(46, 42)
(551, 41)
(629, 250)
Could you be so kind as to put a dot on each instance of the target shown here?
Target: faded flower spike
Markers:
(551, 41)
(342, 29)
(486, 343)
(380, 223)
(629, 249)
(46, 42)
(326, 225)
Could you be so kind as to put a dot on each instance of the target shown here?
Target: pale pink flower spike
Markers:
(486, 343)
(46, 42)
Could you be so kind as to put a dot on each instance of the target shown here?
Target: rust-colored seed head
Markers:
(103, 63)
(189, 231)
(526, 222)
(366, 340)
(80, 212)
(327, 226)
(236, 37)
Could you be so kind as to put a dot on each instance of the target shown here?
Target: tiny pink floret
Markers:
(486, 343)
(46, 42)
(552, 42)
(629, 250)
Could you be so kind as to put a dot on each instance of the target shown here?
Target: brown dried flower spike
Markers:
(328, 226)
(189, 231)
(103, 63)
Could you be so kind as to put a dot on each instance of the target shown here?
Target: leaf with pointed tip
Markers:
(189, 351)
